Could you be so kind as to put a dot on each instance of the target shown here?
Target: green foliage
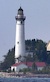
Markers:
(34, 68)
(46, 70)
(8, 59)
(38, 47)
(48, 57)
(28, 58)
(25, 70)
(35, 57)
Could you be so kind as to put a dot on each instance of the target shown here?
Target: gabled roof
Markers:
(16, 64)
(26, 63)
(40, 64)
(29, 64)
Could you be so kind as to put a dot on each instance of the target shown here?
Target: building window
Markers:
(17, 42)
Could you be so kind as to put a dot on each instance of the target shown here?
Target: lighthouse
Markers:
(20, 36)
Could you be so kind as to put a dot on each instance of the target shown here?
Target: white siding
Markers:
(17, 68)
(39, 68)
(13, 68)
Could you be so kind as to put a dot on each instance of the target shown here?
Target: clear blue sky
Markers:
(37, 24)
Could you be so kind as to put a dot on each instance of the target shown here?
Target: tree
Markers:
(34, 68)
(8, 59)
(35, 57)
(48, 58)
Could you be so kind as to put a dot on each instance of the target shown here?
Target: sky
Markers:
(37, 23)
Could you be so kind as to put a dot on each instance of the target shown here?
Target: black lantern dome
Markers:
(20, 11)
(20, 15)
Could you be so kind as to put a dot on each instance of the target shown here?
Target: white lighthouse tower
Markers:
(20, 36)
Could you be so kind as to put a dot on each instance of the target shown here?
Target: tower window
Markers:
(17, 42)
